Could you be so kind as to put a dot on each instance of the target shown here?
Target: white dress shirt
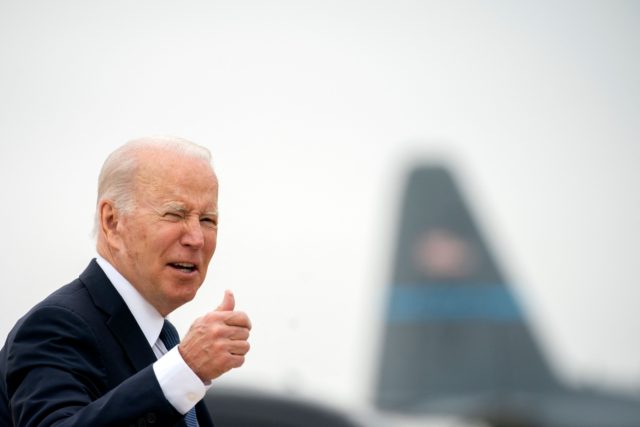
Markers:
(180, 385)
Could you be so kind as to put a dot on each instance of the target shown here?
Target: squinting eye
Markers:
(173, 215)
(209, 221)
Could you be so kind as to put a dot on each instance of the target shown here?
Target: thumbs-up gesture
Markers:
(217, 342)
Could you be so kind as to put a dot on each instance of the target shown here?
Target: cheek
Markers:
(209, 250)
(136, 236)
(162, 239)
(212, 244)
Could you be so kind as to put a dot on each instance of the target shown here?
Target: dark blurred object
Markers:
(457, 340)
(235, 407)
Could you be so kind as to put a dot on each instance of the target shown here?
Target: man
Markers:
(98, 351)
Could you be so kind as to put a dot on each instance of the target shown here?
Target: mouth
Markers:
(185, 267)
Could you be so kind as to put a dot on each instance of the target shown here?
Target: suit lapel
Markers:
(125, 328)
(119, 319)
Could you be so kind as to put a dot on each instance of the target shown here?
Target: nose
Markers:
(193, 235)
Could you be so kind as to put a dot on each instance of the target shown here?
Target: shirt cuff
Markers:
(180, 385)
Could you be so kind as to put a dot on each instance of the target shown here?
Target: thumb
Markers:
(228, 302)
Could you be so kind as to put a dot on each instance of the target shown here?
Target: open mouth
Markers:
(185, 267)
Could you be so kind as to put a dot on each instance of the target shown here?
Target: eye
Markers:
(211, 222)
(174, 216)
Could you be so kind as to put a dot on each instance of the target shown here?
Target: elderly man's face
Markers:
(170, 237)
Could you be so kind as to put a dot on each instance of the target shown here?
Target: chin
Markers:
(176, 296)
(183, 296)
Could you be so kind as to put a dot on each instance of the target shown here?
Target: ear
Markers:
(109, 219)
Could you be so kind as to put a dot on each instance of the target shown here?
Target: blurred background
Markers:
(314, 112)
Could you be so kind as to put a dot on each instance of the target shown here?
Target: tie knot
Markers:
(169, 335)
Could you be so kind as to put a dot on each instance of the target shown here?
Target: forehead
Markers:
(169, 178)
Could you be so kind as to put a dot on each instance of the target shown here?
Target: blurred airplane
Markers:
(457, 341)
(456, 348)
(240, 407)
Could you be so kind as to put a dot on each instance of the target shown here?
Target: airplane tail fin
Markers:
(453, 330)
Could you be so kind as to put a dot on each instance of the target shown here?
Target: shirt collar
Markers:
(147, 317)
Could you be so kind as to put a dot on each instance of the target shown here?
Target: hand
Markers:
(217, 342)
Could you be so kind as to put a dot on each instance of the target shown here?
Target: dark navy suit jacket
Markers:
(79, 359)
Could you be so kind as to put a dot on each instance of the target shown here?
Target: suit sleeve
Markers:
(56, 376)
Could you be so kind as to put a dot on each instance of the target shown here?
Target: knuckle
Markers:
(218, 330)
(218, 347)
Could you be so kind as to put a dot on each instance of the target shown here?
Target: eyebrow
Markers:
(174, 206)
(177, 206)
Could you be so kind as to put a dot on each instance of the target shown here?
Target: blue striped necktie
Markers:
(170, 338)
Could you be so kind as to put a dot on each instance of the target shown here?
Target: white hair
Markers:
(118, 174)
